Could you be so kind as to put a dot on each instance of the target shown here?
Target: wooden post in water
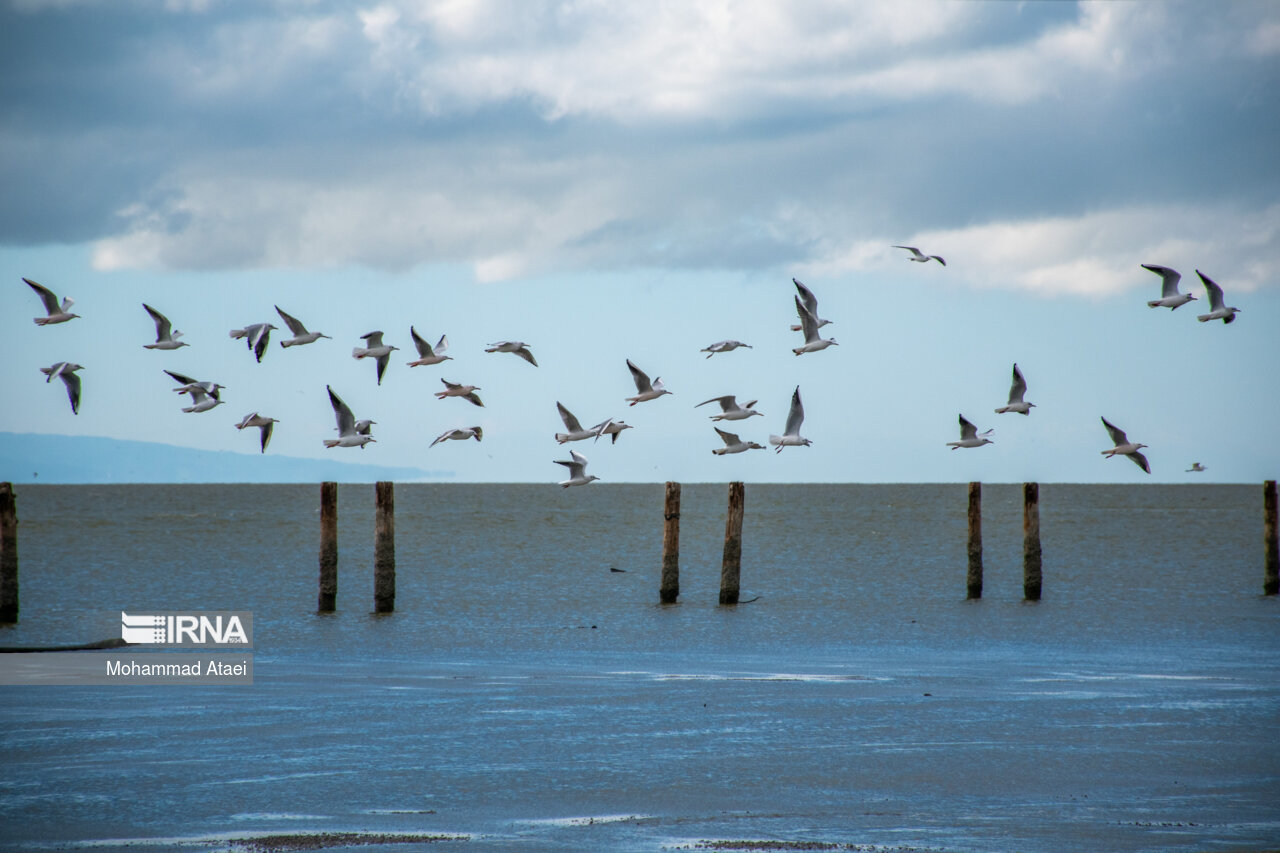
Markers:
(1270, 546)
(328, 600)
(731, 565)
(974, 577)
(384, 549)
(8, 554)
(1031, 541)
(669, 587)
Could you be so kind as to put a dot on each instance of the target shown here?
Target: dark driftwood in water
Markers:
(669, 586)
(731, 565)
(384, 549)
(287, 842)
(1270, 545)
(1031, 575)
(8, 554)
(328, 599)
(111, 643)
(973, 579)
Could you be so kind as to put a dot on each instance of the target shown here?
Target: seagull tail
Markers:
(329, 442)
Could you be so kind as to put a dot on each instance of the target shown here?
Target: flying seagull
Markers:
(520, 348)
(810, 302)
(920, 257)
(1125, 447)
(1217, 311)
(66, 371)
(300, 334)
(578, 475)
(1169, 296)
(265, 424)
(575, 430)
(733, 444)
(201, 401)
(374, 348)
(426, 354)
(809, 324)
(645, 390)
(723, 346)
(612, 428)
(1196, 467)
(1016, 392)
(791, 435)
(186, 385)
(350, 433)
(256, 336)
(454, 389)
(969, 436)
(166, 337)
(460, 434)
(55, 313)
(730, 410)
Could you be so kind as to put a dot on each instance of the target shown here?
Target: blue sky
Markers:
(639, 180)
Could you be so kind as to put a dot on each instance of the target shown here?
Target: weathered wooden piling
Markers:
(731, 565)
(328, 599)
(1270, 545)
(669, 586)
(8, 554)
(974, 577)
(1031, 541)
(384, 549)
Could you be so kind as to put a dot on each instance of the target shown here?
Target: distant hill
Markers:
(29, 458)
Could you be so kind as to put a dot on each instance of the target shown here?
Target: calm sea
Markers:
(526, 697)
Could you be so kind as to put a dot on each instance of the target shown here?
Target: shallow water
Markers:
(526, 697)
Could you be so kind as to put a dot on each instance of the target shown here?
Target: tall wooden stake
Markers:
(731, 565)
(8, 554)
(1270, 546)
(974, 577)
(1031, 576)
(669, 588)
(328, 599)
(384, 549)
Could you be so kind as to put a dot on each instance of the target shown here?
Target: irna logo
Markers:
(199, 629)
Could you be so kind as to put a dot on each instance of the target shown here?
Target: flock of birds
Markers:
(206, 395)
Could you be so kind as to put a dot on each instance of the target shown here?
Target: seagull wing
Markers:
(424, 348)
(967, 430)
(180, 378)
(1140, 460)
(442, 344)
(46, 296)
(808, 322)
(1169, 279)
(641, 378)
(796, 416)
(382, 365)
(266, 434)
(1117, 435)
(1215, 292)
(524, 353)
(810, 301)
(1019, 387)
(72, 381)
(570, 422)
(726, 402)
(729, 438)
(292, 322)
(912, 249)
(163, 327)
(346, 420)
(263, 336)
(372, 340)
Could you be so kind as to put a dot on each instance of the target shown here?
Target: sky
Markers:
(627, 180)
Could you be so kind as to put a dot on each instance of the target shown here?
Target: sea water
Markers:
(529, 692)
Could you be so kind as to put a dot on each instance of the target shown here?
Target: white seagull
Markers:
(55, 313)
(1125, 447)
(575, 430)
(349, 433)
(791, 435)
(520, 348)
(1016, 392)
(256, 336)
(265, 424)
(920, 257)
(1169, 296)
(374, 348)
(809, 324)
(1196, 467)
(166, 337)
(612, 428)
(723, 346)
(811, 302)
(426, 354)
(201, 401)
(969, 436)
(1217, 311)
(66, 371)
(733, 444)
(454, 389)
(186, 385)
(645, 389)
(300, 334)
(730, 410)
(578, 475)
(460, 434)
